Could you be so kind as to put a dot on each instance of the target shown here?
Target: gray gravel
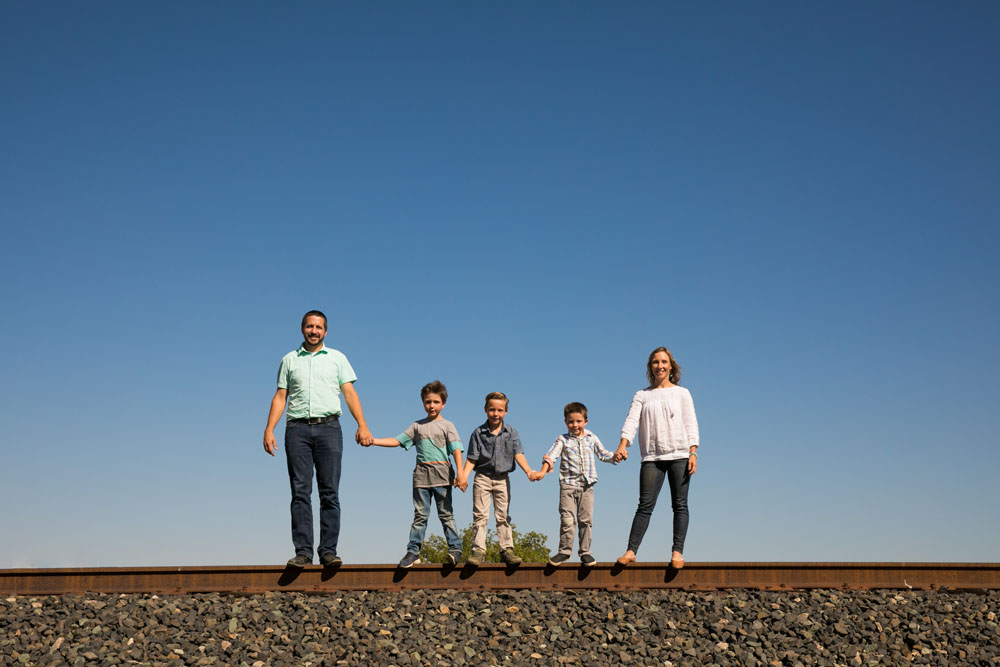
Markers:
(552, 628)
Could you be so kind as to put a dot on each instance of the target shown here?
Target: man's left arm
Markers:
(363, 436)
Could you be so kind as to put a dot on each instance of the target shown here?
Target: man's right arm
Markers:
(273, 416)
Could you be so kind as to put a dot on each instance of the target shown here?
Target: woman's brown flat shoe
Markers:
(677, 563)
(626, 560)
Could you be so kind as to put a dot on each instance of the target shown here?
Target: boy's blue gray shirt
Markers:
(494, 454)
(435, 440)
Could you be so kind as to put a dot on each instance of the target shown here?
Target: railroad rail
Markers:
(603, 576)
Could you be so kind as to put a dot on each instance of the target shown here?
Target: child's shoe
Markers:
(509, 557)
(475, 558)
(409, 560)
(587, 560)
(454, 555)
(558, 560)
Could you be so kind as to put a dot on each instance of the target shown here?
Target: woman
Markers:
(663, 414)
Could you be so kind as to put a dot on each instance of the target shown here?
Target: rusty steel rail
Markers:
(603, 576)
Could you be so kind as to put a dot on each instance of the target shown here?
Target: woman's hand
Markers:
(622, 452)
(692, 463)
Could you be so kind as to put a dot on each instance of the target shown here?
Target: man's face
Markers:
(314, 330)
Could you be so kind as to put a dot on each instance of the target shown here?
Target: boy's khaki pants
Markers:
(496, 488)
(576, 509)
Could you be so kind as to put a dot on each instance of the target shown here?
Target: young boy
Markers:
(435, 438)
(577, 477)
(494, 447)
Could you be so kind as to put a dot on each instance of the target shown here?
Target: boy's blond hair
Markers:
(496, 396)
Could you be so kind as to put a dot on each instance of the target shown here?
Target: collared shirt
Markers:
(313, 381)
(434, 439)
(494, 454)
(577, 467)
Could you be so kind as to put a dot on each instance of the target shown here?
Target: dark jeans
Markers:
(651, 474)
(422, 498)
(319, 446)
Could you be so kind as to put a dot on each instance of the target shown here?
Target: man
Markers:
(310, 381)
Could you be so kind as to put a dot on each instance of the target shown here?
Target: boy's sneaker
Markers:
(409, 560)
(329, 559)
(587, 560)
(454, 555)
(300, 560)
(509, 557)
(558, 560)
(475, 558)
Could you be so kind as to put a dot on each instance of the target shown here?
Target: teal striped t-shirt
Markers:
(435, 440)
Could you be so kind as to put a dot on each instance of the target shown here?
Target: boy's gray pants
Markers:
(576, 509)
(496, 488)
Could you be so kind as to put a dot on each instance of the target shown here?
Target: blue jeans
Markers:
(422, 498)
(651, 474)
(319, 446)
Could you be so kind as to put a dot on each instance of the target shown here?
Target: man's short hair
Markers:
(496, 396)
(436, 387)
(313, 313)
(574, 407)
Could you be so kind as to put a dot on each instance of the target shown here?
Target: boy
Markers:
(577, 477)
(494, 447)
(435, 437)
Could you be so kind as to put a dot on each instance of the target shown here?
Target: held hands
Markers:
(536, 475)
(461, 483)
(621, 453)
(364, 437)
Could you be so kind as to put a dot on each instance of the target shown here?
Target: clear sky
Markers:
(800, 200)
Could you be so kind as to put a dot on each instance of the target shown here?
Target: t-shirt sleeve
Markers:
(516, 440)
(474, 451)
(406, 437)
(454, 439)
(345, 371)
(283, 374)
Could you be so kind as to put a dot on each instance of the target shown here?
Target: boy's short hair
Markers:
(436, 387)
(574, 407)
(496, 396)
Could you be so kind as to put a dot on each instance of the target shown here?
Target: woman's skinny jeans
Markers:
(651, 474)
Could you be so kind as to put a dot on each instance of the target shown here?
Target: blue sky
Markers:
(800, 201)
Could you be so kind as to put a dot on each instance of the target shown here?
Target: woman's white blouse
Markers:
(665, 419)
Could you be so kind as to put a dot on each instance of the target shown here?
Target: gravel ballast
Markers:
(736, 627)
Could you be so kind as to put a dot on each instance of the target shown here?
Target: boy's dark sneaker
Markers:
(329, 559)
(300, 560)
(558, 560)
(587, 560)
(509, 557)
(409, 560)
(475, 558)
(454, 555)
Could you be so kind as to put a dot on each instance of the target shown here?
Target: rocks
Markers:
(511, 627)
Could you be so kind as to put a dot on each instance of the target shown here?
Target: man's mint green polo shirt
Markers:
(313, 381)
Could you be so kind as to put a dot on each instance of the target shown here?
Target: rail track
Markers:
(606, 576)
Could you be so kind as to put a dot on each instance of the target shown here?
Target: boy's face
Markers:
(575, 422)
(433, 405)
(496, 408)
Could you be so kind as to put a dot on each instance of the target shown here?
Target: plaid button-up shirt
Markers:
(577, 467)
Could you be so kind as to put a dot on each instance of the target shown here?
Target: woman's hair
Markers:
(675, 369)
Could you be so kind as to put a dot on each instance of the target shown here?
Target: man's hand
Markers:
(270, 444)
(364, 437)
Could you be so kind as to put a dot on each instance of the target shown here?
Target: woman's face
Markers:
(660, 367)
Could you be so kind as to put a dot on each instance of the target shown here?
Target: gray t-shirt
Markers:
(435, 440)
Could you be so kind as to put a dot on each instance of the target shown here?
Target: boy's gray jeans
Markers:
(484, 488)
(576, 509)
